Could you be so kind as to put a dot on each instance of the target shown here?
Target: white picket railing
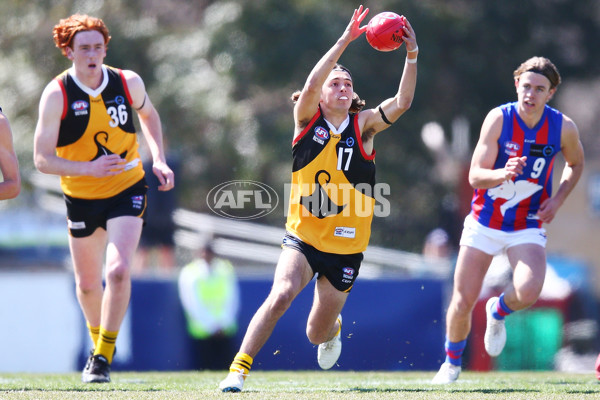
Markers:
(255, 243)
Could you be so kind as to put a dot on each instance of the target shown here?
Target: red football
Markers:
(385, 31)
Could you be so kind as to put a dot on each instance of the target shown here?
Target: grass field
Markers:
(304, 385)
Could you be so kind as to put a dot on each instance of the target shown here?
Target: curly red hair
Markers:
(66, 29)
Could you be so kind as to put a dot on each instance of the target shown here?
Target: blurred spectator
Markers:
(9, 165)
(437, 244)
(578, 353)
(157, 247)
(209, 293)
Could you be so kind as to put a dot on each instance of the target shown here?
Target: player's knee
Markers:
(86, 287)
(280, 301)
(462, 305)
(528, 295)
(117, 273)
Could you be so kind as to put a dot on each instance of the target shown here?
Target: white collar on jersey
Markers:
(91, 92)
(343, 126)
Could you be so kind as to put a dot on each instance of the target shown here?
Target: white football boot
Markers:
(495, 331)
(329, 352)
(448, 373)
(234, 382)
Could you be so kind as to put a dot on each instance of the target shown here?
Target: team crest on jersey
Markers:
(511, 148)
(80, 107)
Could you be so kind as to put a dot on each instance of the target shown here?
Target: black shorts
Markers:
(341, 270)
(85, 216)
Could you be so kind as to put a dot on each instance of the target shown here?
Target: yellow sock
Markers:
(242, 361)
(106, 344)
(94, 333)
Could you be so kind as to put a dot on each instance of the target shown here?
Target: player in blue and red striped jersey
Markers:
(511, 172)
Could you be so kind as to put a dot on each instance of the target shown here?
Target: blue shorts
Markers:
(341, 270)
(84, 216)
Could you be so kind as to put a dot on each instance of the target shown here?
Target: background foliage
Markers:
(221, 74)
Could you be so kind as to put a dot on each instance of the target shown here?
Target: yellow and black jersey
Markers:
(331, 197)
(96, 122)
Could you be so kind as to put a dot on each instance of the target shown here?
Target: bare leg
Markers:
(88, 254)
(123, 237)
(529, 271)
(291, 275)
(327, 304)
(471, 267)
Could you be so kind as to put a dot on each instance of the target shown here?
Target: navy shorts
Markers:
(341, 270)
(84, 216)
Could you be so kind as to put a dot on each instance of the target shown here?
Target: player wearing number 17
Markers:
(332, 147)
(511, 172)
(85, 134)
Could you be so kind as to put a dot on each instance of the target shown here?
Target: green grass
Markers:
(304, 385)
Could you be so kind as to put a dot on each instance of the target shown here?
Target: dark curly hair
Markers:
(357, 102)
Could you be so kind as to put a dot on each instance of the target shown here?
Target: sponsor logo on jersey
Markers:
(541, 150)
(80, 107)
(511, 148)
(118, 100)
(344, 231)
(131, 164)
(350, 142)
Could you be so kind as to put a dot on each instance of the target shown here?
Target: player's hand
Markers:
(165, 176)
(514, 166)
(354, 30)
(107, 165)
(410, 38)
(548, 210)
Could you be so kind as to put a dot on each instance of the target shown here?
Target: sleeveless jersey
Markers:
(95, 123)
(513, 205)
(331, 197)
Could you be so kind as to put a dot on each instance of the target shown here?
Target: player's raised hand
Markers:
(354, 30)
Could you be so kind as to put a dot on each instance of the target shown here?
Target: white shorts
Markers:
(494, 241)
